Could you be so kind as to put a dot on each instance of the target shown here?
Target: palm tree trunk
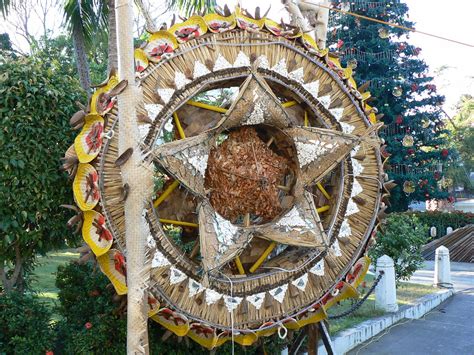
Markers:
(140, 181)
(81, 60)
(112, 46)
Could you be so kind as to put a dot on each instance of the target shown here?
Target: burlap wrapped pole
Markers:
(139, 180)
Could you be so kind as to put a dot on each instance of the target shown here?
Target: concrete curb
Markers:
(350, 338)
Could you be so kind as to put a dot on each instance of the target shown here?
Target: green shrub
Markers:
(443, 220)
(401, 237)
(24, 325)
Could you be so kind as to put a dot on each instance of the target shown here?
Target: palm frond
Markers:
(86, 16)
(4, 6)
(190, 7)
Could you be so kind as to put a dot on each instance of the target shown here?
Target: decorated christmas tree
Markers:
(402, 91)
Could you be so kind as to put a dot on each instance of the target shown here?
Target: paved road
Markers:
(446, 330)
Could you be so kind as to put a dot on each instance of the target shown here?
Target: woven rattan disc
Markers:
(266, 160)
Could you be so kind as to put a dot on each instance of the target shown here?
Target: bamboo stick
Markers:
(206, 106)
(166, 193)
(178, 223)
(262, 257)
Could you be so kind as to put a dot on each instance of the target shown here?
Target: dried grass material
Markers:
(243, 175)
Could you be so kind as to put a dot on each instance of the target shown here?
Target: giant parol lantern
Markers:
(276, 191)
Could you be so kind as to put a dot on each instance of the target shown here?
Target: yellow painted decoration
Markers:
(111, 83)
(153, 305)
(352, 83)
(366, 95)
(323, 190)
(173, 321)
(141, 60)
(179, 223)
(207, 107)
(203, 335)
(240, 267)
(194, 27)
(306, 121)
(86, 187)
(312, 316)
(159, 44)
(289, 104)
(247, 23)
(267, 332)
(358, 271)
(96, 233)
(342, 291)
(113, 266)
(309, 42)
(262, 257)
(178, 126)
(334, 62)
(273, 26)
(166, 193)
(246, 339)
(217, 24)
(322, 208)
(88, 143)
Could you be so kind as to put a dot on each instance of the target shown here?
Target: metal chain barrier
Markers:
(357, 305)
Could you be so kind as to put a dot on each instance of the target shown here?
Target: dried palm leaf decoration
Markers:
(275, 191)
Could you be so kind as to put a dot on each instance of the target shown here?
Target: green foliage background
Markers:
(37, 98)
(401, 238)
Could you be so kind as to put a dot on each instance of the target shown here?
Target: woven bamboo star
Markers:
(318, 151)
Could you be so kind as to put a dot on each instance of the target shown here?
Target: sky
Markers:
(447, 19)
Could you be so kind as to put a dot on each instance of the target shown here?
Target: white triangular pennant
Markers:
(301, 282)
(281, 68)
(176, 276)
(279, 292)
(242, 60)
(212, 296)
(180, 80)
(194, 287)
(312, 88)
(336, 249)
(200, 69)
(351, 208)
(256, 300)
(165, 94)
(325, 100)
(357, 167)
(263, 62)
(337, 113)
(221, 63)
(153, 110)
(232, 303)
(346, 127)
(345, 230)
(356, 188)
(297, 74)
(159, 260)
(318, 269)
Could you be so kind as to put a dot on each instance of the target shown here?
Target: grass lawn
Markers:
(45, 274)
(407, 293)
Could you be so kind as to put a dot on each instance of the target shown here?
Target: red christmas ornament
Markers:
(340, 43)
(417, 51)
(431, 87)
(402, 46)
(399, 119)
(414, 87)
(88, 325)
(410, 151)
(445, 153)
(49, 352)
(437, 175)
(451, 199)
